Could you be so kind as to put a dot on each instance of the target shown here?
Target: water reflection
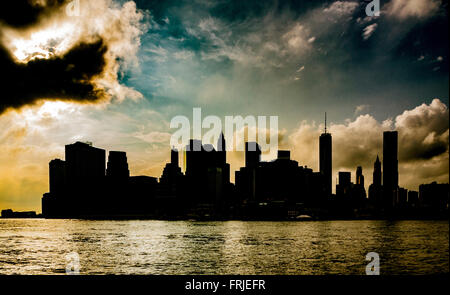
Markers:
(182, 247)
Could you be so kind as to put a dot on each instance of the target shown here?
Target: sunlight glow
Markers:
(45, 43)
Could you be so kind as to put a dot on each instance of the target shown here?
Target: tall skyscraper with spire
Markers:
(325, 157)
(375, 189)
(221, 149)
(359, 176)
(222, 159)
(377, 172)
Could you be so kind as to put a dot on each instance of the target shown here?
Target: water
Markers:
(39, 246)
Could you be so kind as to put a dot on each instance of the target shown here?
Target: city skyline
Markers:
(80, 186)
(390, 146)
(287, 59)
(237, 159)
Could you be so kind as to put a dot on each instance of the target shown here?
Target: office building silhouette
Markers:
(252, 154)
(390, 168)
(360, 190)
(85, 164)
(377, 172)
(278, 188)
(325, 157)
(117, 166)
(207, 173)
(344, 184)
(171, 182)
(57, 176)
(359, 176)
(376, 189)
(434, 196)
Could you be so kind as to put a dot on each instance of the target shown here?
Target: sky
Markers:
(116, 72)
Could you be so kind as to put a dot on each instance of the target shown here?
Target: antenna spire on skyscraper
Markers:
(325, 122)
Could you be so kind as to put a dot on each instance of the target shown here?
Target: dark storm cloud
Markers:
(67, 77)
(23, 13)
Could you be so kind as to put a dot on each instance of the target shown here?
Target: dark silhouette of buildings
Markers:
(207, 173)
(377, 172)
(81, 187)
(413, 199)
(402, 198)
(117, 165)
(434, 196)
(172, 192)
(344, 186)
(360, 190)
(349, 195)
(245, 178)
(252, 154)
(9, 213)
(277, 188)
(359, 176)
(376, 189)
(325, 158)
(85, 164)
(57, 176)
(390, 168)
(171, 181)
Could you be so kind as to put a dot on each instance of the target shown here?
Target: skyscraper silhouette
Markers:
(390, 167)
(375, 189)
(359, 191)
(85, 164)
(171, 180)
(325, 157)
(222, 159)
(377, 172)
(117, 165)
(174, 157)
(359, 176)
(57, 176)
(252, 154)
(221, 149)
(345, 179)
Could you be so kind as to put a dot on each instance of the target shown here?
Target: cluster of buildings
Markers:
(83, 186)
(9, 213)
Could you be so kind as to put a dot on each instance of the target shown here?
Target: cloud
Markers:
(158, 53)
(297, 38)
(423, 144)
(423, 131)
(270, 40)
(183, 54)
(341, 8)
(369, 30)
(361, 108)
(68, 77)
(403, 9)
(51, 55)
(156, 137)
(22, 14)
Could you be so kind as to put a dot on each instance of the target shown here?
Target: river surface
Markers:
(40, 246)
